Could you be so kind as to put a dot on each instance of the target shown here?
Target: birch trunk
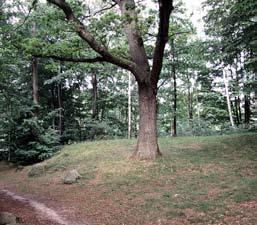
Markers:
(225, 79)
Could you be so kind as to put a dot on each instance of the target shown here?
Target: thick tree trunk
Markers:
(147, 145)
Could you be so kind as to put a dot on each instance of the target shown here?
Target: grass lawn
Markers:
(199, 180)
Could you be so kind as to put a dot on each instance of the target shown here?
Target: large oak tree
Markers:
(146, 75)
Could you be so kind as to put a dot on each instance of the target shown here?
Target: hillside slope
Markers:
(202, 180)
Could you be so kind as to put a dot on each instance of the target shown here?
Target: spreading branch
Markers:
(88, 37)
(135, 41)
(71, 59)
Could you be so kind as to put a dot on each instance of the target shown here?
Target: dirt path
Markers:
(30, 211)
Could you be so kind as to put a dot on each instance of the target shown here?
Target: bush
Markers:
(30, 140)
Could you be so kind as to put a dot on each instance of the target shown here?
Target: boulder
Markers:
(71, 177)
(36, 170)
(7, 218)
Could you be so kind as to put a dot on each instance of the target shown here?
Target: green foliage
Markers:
(30, 141)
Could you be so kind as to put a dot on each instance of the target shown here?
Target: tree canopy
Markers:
(65, 68)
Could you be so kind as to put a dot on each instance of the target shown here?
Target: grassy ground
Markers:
(202, 180)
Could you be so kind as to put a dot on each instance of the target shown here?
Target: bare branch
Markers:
(178, 33)
(101, 10)
(27, 16)
(163, 82)
(117, 1)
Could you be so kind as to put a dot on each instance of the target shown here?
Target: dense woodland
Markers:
(69, 73)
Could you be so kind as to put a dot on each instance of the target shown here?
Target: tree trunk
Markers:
(53, 103)
(225, 79)
(147, 145)
(255, 95)
(129, 107)
(34, 65)
(237, 111)
(60, 107)
(189, 100)
(60, 102)
(94, 97)
(35, 94)
(174, 76)
(190, 105)
(247, 110)
(255, 100)
(174, 126)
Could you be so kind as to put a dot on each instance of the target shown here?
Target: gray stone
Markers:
(7, 218)
(71, 177)
(36, 170)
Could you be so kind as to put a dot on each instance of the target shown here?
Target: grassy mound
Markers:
(198, 180)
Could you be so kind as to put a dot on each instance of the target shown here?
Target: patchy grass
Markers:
(199, 180)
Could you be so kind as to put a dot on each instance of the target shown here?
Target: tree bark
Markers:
(189, 101)
(94, 97)
(255, 96)
(34, 67)
(174, 76)
(239, 109)
(225, 79)
(255, 101)
(129, 107)
(53, 102)
(174, 126)
(35, 94)
(60, 107)
(60, 102)
(147, 145)
(247, 109)
(236, 111)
